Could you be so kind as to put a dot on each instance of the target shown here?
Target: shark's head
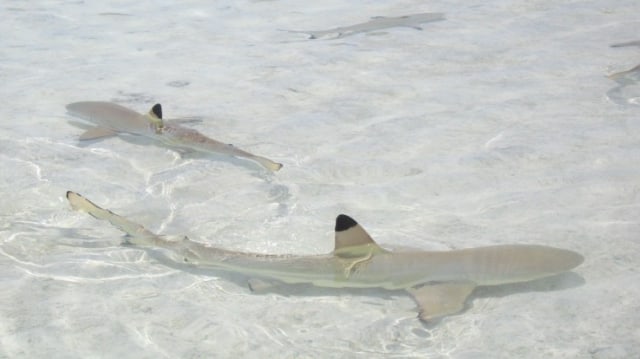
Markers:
(351, 240)
(155, 117)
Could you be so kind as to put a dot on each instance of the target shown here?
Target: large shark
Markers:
(440, 282)
(376, 23)
(111, 119)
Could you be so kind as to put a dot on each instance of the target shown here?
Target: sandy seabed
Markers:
(496, 125)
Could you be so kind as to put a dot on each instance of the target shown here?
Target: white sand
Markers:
(497, 125)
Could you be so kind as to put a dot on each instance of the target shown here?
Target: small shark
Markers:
(112, 119)
(628, 43)
(624, 73)
(376, 23)
(439, 282)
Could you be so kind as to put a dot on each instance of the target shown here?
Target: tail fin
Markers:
(132, 229)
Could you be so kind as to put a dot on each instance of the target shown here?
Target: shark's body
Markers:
(376, 23)
(440, 282)
(111, 119)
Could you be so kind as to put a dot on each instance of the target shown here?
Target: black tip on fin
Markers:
(157, 110)
(344, 222)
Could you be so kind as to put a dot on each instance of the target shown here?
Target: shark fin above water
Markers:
(437, 300)
(351, 240)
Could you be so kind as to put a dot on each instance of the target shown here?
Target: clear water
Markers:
(498, 125)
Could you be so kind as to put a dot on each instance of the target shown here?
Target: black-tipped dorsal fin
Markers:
(155, 116)
(351, 240)
(156, 111)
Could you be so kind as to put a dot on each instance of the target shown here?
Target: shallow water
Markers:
(497, 125)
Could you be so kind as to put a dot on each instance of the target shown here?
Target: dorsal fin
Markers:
(351, 240)
(155, 116)
(156, 110)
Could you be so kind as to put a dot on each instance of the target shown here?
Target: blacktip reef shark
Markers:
(111, 119)
(440, 282)
(376, 23)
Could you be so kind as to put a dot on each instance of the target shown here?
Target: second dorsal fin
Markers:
(351, 240)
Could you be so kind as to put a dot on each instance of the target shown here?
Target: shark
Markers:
(621, 74)
(112, 119)
(439, 281)
(376, 23)
(628, 43)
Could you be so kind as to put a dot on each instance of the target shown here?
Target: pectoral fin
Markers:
(257, 285)
(96, 132)
(441, 299)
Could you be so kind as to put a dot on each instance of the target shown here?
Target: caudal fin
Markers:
(133, 229)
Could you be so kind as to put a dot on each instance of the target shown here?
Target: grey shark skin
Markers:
(112, 119)
(376, 23)
(440, 282)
